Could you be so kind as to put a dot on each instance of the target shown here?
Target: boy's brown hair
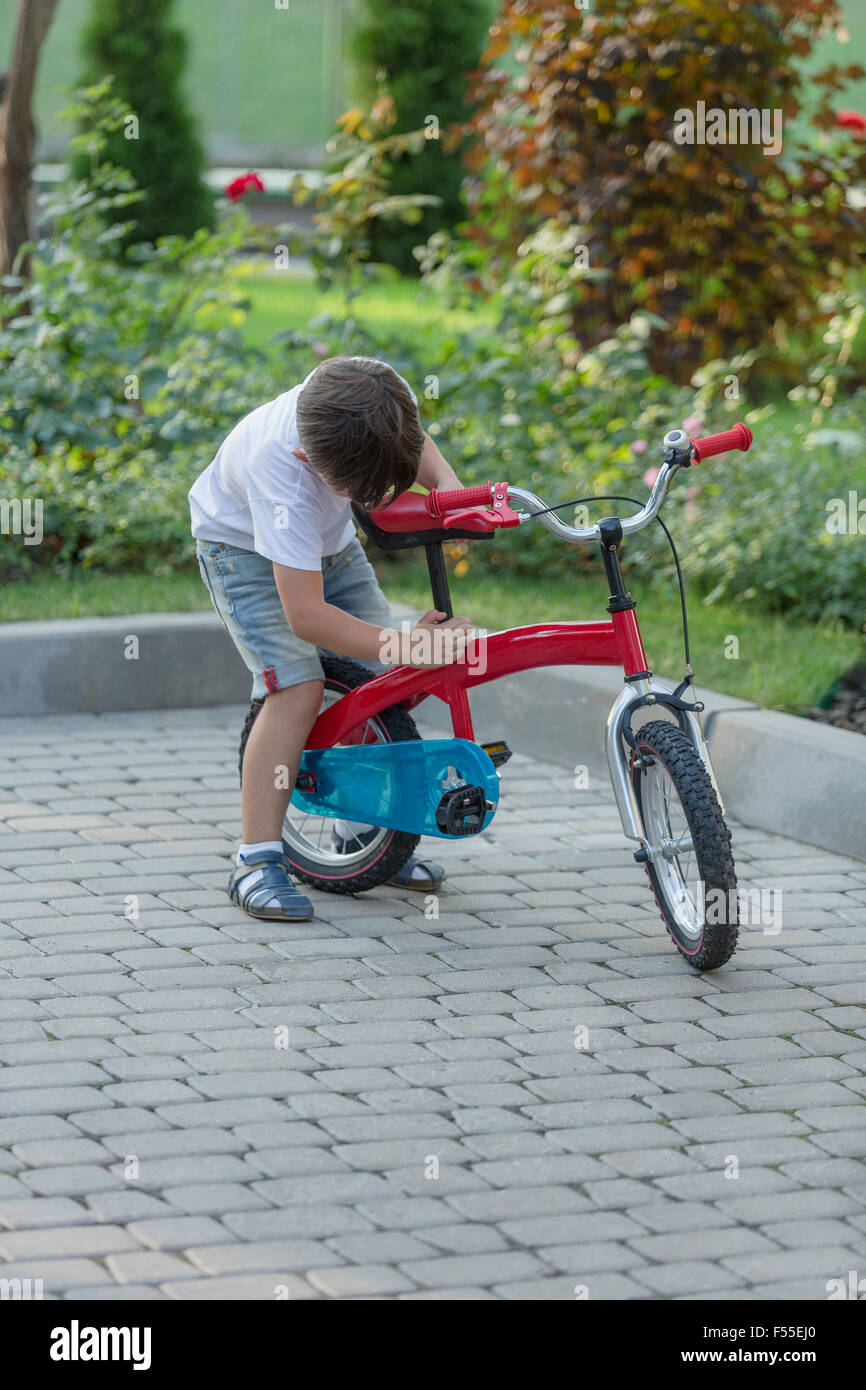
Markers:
(359, 428)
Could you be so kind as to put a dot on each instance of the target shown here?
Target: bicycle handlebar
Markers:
(682, 451)
(454, 498)
(740, 437)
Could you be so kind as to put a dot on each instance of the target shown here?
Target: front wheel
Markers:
(692, 869)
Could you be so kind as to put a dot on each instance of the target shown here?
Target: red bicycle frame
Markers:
(616, 642)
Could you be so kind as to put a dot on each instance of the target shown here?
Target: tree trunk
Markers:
(17, 134)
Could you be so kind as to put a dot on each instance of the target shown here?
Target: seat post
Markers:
(456, 697)
(438, 578)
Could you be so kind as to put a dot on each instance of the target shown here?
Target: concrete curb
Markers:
(778, 773)
(92, 665)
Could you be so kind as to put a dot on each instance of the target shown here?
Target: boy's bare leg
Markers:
(276, 741)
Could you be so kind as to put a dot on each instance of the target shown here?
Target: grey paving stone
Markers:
(696, 1276)
(718, 1185)
(799, 1235)
(702, 1245)
(843, 1142)
(117, 1293)
(24, 1129)
(597, 1139)
(681, 1215)
(359, 1281)
(525, 1143)
(465, 1238)
(40, 1153)
(51, 1074)
(473, 1269)
(212, 1198)
(377, 1247)
(149, 1267)
(185, 1233)
(814, 1262)
(570, 1229)
(56, 1242)
(241, 1288)
(318, 1220)
(789, 1096)
(800, 1205)
(127, 1205)
(595, 1287)
(586, 1258)
(32, 1213)
(654, 1163)
(72, 1180)
(58, 1276)
(405, 1213)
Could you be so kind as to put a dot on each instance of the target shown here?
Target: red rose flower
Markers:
(245, 183)
(852, 120)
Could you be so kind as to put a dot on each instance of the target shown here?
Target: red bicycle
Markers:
(365, 761)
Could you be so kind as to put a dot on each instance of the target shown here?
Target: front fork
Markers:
(618, 752)
(642, 689)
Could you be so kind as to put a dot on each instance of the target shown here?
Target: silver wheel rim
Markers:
(311, 836)
(674, 861)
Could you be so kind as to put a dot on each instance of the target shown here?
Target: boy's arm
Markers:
(433, 471)
(313, 620)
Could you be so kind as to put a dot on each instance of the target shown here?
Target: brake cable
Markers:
(610, 497)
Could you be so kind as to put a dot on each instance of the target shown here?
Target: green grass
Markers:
(94, 594)
(782, 664)
(280, 301)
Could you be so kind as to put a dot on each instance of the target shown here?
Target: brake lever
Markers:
(471, 519)
(483, 519)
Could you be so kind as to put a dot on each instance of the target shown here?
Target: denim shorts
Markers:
(244, 593)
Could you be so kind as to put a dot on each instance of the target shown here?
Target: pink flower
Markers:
(693, 422)
(321, 349)
(650, 476)
(245, 183)
(638, 446)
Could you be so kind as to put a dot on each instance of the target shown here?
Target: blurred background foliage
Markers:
(720, 285)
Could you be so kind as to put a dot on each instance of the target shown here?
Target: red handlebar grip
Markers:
(740, 437)
(454, 498)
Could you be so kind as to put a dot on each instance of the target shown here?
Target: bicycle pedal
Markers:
(461, 810)
(498, 752)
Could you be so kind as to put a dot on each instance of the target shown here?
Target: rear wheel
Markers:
(308, 839)
(692, 870)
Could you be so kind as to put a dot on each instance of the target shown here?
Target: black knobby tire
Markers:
(387, 855)
(712, 938)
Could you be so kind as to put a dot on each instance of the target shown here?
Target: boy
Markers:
(279, 556)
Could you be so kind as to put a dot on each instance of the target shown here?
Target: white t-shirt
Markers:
(258, 496)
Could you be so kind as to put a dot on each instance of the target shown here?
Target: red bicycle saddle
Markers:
(417, 518)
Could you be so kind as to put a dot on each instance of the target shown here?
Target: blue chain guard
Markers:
(398, 785)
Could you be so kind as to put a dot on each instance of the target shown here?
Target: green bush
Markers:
(117, 383)
(135, 43)
(422, 52)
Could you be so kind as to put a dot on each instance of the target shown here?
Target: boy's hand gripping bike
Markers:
(365, 762)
